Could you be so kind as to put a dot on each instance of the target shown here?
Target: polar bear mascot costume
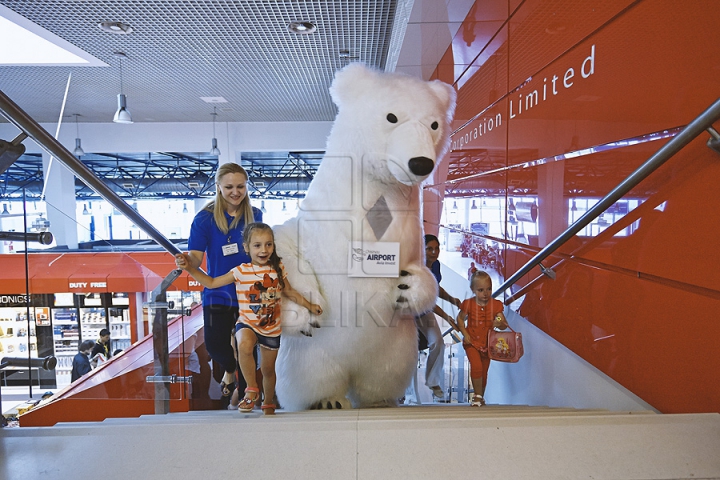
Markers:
(390, 131)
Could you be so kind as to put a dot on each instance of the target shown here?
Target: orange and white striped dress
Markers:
(258, 293)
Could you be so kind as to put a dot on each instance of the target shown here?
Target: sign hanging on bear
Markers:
(374, 259)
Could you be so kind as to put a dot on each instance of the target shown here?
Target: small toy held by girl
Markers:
(259, 285)
(483, 313)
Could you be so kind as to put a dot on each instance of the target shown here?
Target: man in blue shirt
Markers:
(81, 361)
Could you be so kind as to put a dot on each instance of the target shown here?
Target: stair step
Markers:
(402, 413)
(388, 443)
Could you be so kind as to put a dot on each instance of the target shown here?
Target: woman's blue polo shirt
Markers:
(435, 269)
(205, 236)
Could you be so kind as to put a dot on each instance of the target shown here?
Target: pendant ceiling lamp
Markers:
(215, 150)
(122, 115)
(78, 148)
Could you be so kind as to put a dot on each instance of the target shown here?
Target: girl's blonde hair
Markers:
(218, 206)
(274, 259)
(481, 274)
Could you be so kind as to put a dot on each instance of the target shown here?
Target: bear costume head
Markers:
(402, 118)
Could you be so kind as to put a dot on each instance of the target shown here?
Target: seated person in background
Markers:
(81, 361)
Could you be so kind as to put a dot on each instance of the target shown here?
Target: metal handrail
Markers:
(701, 123)
(31, 128)
(47, 142)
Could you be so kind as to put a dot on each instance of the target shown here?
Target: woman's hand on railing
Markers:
(182, 260)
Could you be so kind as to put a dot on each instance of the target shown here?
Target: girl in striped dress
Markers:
(259, 285)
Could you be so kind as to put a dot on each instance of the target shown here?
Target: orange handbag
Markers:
(505, 346)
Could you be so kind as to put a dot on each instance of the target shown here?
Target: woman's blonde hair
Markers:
(219, 205)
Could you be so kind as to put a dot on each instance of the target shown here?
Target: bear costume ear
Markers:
(351, 82)
(447, 96)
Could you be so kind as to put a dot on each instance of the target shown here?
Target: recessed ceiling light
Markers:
(346, 54)
(118, 28)
(302, 28)
(213, 99)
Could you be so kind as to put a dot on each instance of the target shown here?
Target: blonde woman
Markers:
(217, 230)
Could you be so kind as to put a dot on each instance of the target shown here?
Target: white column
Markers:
(60, 202)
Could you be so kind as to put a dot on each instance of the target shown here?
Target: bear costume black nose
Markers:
(421, 165)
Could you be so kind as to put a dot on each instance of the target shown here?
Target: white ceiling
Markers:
(240, 50)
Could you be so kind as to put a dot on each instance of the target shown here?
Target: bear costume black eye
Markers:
(434, 126)
(391, 118)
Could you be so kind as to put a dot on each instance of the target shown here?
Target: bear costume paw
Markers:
(416, 290)
(297, 320)
(332, 404)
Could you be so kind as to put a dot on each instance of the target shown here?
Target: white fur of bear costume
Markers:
(390, 131)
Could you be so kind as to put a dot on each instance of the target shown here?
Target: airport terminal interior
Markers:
(580, 174)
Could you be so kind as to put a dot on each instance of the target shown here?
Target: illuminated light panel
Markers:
(32, 45)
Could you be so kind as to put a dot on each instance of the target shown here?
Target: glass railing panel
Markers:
(72, 294)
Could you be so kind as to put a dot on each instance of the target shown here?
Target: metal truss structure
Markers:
(170, 175)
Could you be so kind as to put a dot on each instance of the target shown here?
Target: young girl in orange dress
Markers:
(482, 313)
(259, 285)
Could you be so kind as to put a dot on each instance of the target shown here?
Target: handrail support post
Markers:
(548, 272)
(714, 140)
(19, 139)
(158, 306)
